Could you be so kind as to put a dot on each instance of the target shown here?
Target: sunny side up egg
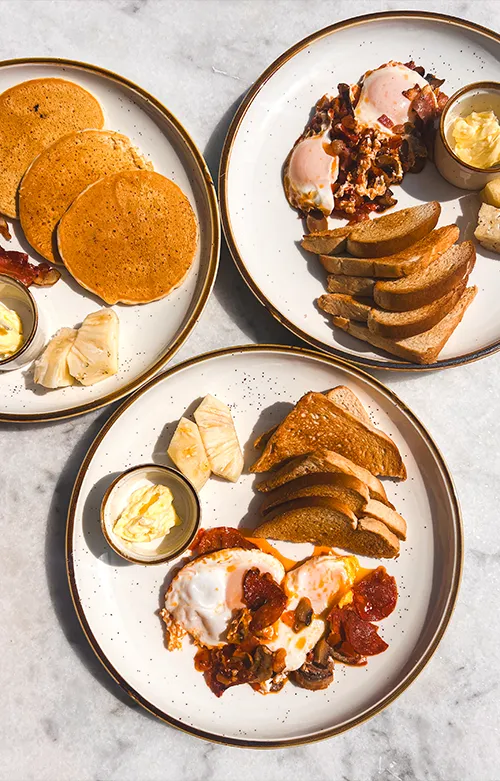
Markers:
(310, 173)
(204, 593)
(382, 93)
(323, 580)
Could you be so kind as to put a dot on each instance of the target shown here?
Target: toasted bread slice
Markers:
(342, 395)
(349, 491)
(326, 242)
(393, 232)
(417, 290)
(392, 325)
(353, 286)
(325, 521)
(415, 258)
(342, 305)
(323, 461)
(423, 348)
(317, 422)
(381, 512)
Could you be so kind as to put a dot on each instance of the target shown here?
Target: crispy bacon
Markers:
(425, 104)
(264, 597)
(411, 93)
(18, 266)
(375, 596)
(4, 229)
(384, 120)
(219, 538)
(417, 68)
(442, 100)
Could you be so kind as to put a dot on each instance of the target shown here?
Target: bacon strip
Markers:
(384, 120)
(18, 266)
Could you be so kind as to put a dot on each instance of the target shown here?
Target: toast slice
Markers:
(348, 490)
(353, 286)
(317, 422)
(387, 515)
(423, 348)
(325, 521)
(323, 461)
(326, 242)
(393, 232)
(417, 290)
(415, 258)
(392, 325)
(342, 395)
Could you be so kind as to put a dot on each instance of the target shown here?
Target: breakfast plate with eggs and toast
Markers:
(109, 237)
(374, 181)
(269, 559)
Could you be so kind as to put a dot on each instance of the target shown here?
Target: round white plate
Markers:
(117, 602)
(263, 231)
(150, 334)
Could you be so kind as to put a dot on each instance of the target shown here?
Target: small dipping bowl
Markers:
(16, 296)
(481, 96)
(186, 503)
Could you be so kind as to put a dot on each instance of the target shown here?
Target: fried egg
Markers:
(322, 579)
(382, 93)
(204, 594)
(310, 173)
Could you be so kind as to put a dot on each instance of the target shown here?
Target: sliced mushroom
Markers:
(303, 614)
(313, 676)
(322, 653)
(262, 666)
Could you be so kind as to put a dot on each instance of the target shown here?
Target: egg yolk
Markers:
(11, 332)
(477, 139)
(149, 515)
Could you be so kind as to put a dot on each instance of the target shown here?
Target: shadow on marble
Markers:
(230, 290)
(55, 563)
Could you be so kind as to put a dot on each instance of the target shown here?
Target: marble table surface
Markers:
(62, 717)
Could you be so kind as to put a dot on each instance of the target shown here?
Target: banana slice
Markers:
(94, 354)
(188, 453)
(51, 367)
(219, 437)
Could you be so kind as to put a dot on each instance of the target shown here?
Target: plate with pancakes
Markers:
(371, 253)
(109, 224)
(313, 578)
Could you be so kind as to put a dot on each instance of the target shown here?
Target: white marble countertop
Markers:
(62, 717)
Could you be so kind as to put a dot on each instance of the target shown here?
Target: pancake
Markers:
(130, 237)
(63, 171)
(33, 115)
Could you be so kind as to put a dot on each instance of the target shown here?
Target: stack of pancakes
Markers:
(87, 198)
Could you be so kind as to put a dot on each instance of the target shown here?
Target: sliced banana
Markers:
(94, 355)
(51, 367)
(188, 453)
(219, 438)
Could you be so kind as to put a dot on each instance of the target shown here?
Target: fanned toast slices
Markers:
(391, 325)
(415, 258)
(376, 238)
(323, 461)
(352, 286)
(341, 395)
(417, 290)
(325, 521)
(423, 348)
(317, 422)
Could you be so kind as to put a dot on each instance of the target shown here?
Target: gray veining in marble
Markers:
(62, 717)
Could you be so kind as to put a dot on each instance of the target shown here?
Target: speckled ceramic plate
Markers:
(263, 231)
(117, 602)
(150, 334)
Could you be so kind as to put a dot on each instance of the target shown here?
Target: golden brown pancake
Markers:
(130, 237)
(33, 115)
(63, 171)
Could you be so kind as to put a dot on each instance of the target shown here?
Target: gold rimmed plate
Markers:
(117, 602)
(262, 230)
(149, 334)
